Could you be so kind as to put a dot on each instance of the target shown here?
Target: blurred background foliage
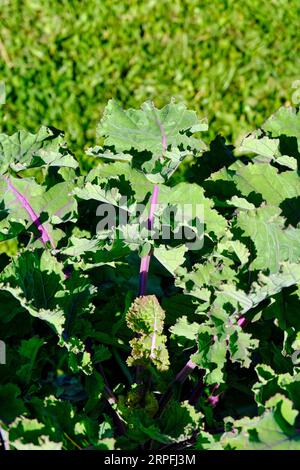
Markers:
(233, 61)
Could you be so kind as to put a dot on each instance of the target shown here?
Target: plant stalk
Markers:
(145, 261)
(45, 236)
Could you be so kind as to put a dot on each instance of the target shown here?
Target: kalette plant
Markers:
(147, 304)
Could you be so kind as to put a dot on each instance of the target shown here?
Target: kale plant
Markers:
(153, 302)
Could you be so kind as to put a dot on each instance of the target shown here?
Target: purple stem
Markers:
(242, 321)
(112, 400)
(108, 393)
(153, 206)
(34, 217)
(190, 366)
(185, 371)
(145, 261)
(196, 392)
(162, 131)
(214, 399)
(179, 379)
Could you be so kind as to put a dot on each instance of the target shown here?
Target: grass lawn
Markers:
(232, 61)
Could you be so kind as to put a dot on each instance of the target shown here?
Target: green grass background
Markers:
(233, 61)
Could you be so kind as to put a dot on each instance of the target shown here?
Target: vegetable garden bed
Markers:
(148, 305)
